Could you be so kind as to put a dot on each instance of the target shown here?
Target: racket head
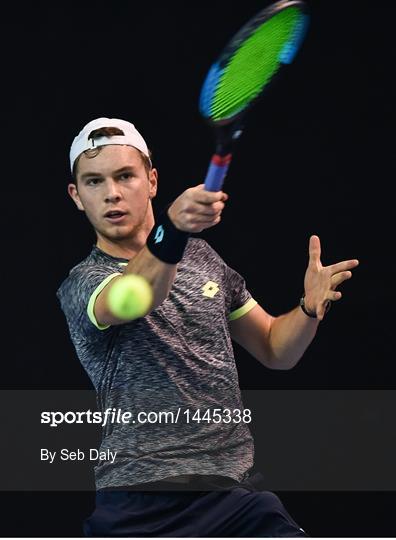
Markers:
(251, 59)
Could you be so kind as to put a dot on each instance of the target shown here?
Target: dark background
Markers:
(316, 158)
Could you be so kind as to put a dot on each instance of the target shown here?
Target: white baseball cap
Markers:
(131, 137)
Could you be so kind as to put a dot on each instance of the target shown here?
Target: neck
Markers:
(127, 248)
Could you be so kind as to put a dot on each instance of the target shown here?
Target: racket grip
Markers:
(217, 171)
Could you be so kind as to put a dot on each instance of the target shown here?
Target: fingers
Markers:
(197, 209)
(195, 213)
(344, 265)
(321, 282)
(314, 249)
(199, 194)
(337, 279)
(208, 210)
(332, 296)
(201, 226)
(196, 224)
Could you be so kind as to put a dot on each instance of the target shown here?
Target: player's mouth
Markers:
(115, 216)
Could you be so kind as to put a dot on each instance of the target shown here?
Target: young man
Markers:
(178, 358)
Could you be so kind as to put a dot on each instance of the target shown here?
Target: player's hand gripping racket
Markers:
(243, 71)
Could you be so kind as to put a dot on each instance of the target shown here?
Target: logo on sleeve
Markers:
(210, 289)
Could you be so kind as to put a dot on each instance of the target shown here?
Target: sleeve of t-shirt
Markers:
(78, 293)
(240, 300)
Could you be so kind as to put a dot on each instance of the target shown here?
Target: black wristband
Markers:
(165, 241)
(309, 313)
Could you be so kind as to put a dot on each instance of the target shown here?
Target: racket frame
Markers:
(228, 130)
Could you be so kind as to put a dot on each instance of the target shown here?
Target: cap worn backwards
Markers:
(131, 137)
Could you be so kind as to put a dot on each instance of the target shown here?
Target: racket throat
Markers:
(226, 136)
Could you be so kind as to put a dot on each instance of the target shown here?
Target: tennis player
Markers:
(189, 476)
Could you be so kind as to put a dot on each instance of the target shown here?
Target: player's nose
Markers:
(112, 190)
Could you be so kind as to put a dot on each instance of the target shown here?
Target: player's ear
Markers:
(153, 180)
(72, 191)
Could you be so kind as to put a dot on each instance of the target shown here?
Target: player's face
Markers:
(115, 179)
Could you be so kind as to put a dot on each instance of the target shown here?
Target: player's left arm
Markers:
(280, 342)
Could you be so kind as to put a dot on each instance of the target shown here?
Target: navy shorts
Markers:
(236, 510)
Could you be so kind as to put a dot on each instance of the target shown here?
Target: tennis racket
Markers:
(242, 72)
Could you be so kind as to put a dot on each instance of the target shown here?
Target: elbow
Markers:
(282, 362)
(274, 361)
(282, 365)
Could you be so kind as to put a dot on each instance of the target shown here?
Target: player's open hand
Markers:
(197, 209)
(321, 282)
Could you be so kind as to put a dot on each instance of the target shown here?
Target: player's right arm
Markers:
(193, 211)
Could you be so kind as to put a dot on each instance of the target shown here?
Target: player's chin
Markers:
(119, 230)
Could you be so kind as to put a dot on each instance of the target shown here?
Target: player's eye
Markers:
(93, 181)
(125, 176)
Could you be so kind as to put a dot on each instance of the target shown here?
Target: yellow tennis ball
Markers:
(130, 297)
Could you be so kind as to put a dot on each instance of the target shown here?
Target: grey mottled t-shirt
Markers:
(178, 358)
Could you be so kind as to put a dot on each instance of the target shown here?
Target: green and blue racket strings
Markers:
(250, 61)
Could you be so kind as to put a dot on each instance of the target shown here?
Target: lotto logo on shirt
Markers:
(210, 289)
